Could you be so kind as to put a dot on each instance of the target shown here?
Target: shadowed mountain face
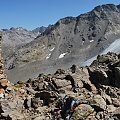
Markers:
(72, 40)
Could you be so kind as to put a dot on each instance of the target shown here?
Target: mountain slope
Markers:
(72, 40)
(14, 38)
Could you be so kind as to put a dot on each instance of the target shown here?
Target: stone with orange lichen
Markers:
(18, 93)
(1, 71)
(2, 90)
(4, 83)
(2, 93)
(2, 76)
(82, 112)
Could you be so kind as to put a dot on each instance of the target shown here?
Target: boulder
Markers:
(27, 103)
(4, 83)
(107, 98)
(73, 68)
(116, 102)
(2, 92)
(98, 103)
(116, 114)
(35, 103)
(100, 115)
(107, 58)
(45, 96)
(71, 79)
(62, 83)
(60, 71)
(111, 108)
(98, 76)
(111, 92)
(89, 86)
(2, 76)
(117, 77)
(82, 112)
(13, 115)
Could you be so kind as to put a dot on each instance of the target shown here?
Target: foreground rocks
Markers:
(94, 93)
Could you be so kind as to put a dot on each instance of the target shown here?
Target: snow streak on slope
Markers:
(114, 47)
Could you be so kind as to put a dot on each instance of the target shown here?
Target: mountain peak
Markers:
(18, 29)
(39, 29)
(107, 7)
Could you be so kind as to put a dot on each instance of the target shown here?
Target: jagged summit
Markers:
(39, 29)
(107, 7)
(17, 28)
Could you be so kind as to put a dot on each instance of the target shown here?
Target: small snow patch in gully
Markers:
(48, 56)
(51, 49)
(91, 40)
(62, 55)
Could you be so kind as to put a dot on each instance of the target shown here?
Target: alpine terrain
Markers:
(66, 71)
(71, 40)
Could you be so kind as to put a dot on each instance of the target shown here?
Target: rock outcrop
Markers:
(88, 93)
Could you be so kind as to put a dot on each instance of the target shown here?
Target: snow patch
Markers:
(62, 55)
(48, 56)
(91, 40)
(83, 42)
(51, 49)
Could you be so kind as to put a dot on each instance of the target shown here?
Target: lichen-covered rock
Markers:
(82, 112)
(111, 108)
(116, 102)
(105, 59)
(98, 103)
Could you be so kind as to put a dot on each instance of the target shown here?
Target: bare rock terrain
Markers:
(78, 93)
(71, 40)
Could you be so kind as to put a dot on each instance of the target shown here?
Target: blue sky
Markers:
(35, 13)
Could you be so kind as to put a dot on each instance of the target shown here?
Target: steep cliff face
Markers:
(72, 40)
